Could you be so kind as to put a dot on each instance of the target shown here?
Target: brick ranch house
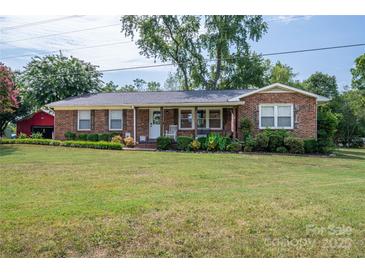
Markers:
(147, 115)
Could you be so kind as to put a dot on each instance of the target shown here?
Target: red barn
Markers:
(41, 121)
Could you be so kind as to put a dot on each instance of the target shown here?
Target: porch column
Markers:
(234, 121)
(135, 124)
(162, 121)
(195, 122)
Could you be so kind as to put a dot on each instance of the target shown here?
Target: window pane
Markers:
(84, 124)
(115, 114)
(267, 121)
(186, 123)
(116, 124)
(84, 114)
(284, 121)
(215, 114)
(186, 119)
(284, 111)
(214, 123)
(202, 123)
(267, 111)
(186, 114)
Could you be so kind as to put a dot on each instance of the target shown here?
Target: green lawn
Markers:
(68, 202)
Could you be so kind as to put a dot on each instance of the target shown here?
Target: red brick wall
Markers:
(66, 120)
(305, 108)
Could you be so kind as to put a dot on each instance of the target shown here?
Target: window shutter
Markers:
(74, 119)
(296, 112)
(92, 119)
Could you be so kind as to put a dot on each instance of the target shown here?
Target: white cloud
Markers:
(288, 18)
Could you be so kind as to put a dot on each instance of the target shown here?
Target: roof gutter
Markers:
(235, 103)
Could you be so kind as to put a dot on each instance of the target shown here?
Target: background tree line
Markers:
(209, 52)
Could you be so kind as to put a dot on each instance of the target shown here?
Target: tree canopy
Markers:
(281, 73)
(56, 77)
(322, 84)
(358, 73)
(210, 52)
(9, 97)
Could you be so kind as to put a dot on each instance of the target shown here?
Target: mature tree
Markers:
(351, 109)
(9, 100)
(358, 73)
(110, 87)
(56, 77)
(281, 73)
(210, 52)
(172, 82)
(141, 85)
(153, 86)
(322, 84)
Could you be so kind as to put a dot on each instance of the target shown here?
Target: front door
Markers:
(155, 121)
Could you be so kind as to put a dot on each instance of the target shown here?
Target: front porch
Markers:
(151, 123)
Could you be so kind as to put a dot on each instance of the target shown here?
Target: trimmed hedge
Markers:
(50, 142)
(164, 143)
(183, 142)
(93, 137)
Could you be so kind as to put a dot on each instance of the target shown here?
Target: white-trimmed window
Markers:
(215, 118)
(115, 119)
(276, 116)
(186, 120)
(210, 118)
(84, 120)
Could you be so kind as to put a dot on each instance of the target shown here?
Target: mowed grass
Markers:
(68, 202)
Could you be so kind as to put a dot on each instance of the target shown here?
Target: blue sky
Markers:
(285, 33)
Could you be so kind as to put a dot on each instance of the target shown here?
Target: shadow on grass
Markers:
(353, 154)
(7, 149)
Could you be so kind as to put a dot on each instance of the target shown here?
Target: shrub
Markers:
(326, 127)
(249, 144)
(246, 127)
(93, 137)
(310, 146)
(22, 136)
(294, 145)
(262, 141)
(234, 147)
(129, 141)
(164, 143)
(36, 135)
(276, 138)
(117, 139)
(195, 145)
(203, 142)
(281, 150)
(89, 144)
(69, 135)
(85, 144)
(212, 142)
(183, 143)
(105, 137)
(82, 137)
(223, 142)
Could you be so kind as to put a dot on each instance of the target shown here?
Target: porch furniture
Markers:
(172, 132)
